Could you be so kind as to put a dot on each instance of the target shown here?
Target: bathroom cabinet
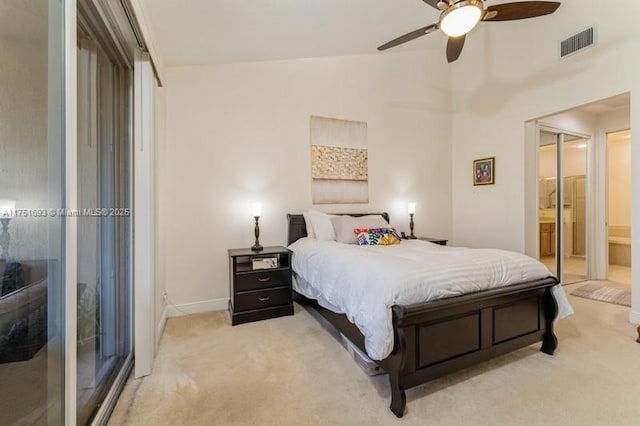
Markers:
(547, 239)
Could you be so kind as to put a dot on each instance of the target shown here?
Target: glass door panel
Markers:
(32, 170)
(547, 213)
(574, 209)
(103, 230)
(562, 205)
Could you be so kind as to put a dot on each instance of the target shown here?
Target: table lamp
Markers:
(411, 208)
(257, 209)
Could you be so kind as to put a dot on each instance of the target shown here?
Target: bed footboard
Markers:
(483, 325)
(433, 339)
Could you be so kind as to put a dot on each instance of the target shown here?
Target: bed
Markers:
(486, 324)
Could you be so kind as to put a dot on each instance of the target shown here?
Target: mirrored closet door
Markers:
(562, 204)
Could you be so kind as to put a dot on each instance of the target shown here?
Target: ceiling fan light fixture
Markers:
(461, 18)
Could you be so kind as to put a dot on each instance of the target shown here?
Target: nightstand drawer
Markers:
(262, 279)
(262, 299)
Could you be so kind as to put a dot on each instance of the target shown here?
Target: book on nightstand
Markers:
(264, 263)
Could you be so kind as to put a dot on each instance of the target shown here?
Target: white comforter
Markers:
(364, 282)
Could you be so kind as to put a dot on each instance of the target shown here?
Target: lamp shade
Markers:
(7, 206)
(411, 208)
(256, 209)
(458, 20)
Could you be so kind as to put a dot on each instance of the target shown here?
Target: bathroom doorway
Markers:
(588, 149)
(619, 208)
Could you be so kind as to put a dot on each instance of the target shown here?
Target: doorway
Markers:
(619, 208)
(588, 149)
(562, 203)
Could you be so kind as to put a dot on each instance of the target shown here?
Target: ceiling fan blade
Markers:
(432, 3)
(520, 10)
(409, 36)
(454, 48)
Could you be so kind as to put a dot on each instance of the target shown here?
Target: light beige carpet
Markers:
(291, 371)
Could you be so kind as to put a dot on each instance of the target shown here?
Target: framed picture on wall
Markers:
(484, 172)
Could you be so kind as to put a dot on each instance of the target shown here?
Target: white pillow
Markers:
(321, 224)
(344, 225)
(307, 222)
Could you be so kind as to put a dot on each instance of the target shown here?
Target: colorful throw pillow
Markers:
(376, 236)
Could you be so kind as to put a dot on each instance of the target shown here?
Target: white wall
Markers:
(517, 77)
(576, 121)
(239, 133)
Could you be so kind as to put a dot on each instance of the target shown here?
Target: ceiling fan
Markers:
(459, 17)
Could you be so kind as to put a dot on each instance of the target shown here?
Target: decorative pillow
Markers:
(307, 222)
(344, 226)
(377, 236)
(321, 224)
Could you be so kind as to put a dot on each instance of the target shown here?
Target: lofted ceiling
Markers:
(190, 32)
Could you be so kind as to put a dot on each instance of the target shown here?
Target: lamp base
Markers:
(256, 231)
(411, 236)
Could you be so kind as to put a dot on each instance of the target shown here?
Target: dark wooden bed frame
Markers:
(432, 339)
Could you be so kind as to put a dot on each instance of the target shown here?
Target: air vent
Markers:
(578, 42)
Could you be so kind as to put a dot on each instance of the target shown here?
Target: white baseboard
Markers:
(160, 327)
(634, 317)
(198, 307)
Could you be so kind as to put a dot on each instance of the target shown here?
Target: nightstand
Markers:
(439, 241)
(258, 294)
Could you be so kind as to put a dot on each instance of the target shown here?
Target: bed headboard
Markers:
(298, 228)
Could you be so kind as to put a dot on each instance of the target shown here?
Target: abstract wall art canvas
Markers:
(339, 161)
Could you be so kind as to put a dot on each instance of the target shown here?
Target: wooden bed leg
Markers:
(549, 340)
(398, 397)
(397, 358)
(638, 339)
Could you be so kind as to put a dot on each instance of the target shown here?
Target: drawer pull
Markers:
(264, 279)
(264, 299)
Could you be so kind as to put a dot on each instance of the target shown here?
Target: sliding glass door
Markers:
(104, 242)
(32, 193)
(65, 208)
(562, 214)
